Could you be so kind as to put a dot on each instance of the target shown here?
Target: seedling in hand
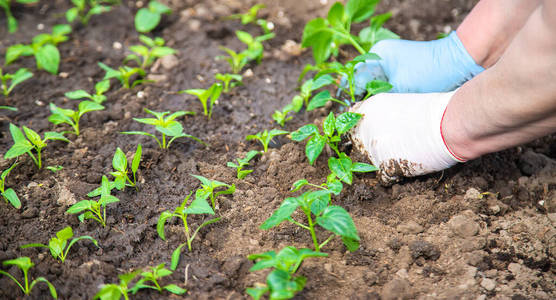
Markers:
(24, 263)
(101, 87)
(116, 291)
(197, 207)
(71, 117)
(168, 126)
(124, 75)
(236, 60)
(96, 210)
(59, 246)
(207, 97)
(16, 78)
(264, 137)
(9, 194)
(153, 276)
(85, 9)
(30, 141)
(228, 79)
(208, 188)
(145, 55)
(242, 163)
(281, 282)
(119, 162)
(12, 22)
(147, 18)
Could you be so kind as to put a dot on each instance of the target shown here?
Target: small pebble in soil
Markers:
(40, 26)
(425, 249)
(463, 226)
(117, 45)
(488, 284)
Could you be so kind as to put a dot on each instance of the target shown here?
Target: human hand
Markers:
(418, 67)
(401, 134)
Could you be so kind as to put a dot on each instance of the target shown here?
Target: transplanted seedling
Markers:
(24, 263)
(236, 60)
(59, 246)
(9, 194)
(208, 188)
(228, 80)
(29, 142)
(116, 291)
(71, 117)
(14, 79)
(43, 47)
(207, 97)
(197, 207)
(255, 47)
(153, 276)
(250, 16)
(120, 163)
(264, 137)
(145, 55)
(168, 126)
(147, 18)
(96, 210)
(281, 282)
(101, 87)
(124, 75)
(242, 163)
(12, 22)
(85, 9)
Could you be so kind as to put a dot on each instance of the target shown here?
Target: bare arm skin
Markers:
(491, 26)
(514, 101)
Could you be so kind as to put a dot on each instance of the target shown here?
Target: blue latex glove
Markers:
(418, 67)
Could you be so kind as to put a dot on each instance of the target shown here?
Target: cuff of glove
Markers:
(467, 62)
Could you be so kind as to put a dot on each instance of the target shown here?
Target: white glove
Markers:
(401, 134)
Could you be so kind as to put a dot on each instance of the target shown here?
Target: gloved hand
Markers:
(418, 67)
(401, 134)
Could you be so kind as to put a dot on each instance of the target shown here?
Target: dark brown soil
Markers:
(430, 237)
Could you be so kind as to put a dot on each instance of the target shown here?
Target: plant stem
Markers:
(26, 282)
(326, 242)
(312, 229)
(163, 141)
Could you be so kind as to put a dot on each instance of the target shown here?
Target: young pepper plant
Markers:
(120, 164)
(85, 9)
(250, 16)
(281, 282)
(228, 80)
(30, 141)
(236, 60)
(71, 117)
(242, 163)
(153, 276)
(145, 55)
(114, 291)
(9, 194)
(59, 246)
(12, 22)
(101, 87)
(16, 78)
(124, 75)
(147, 18)
(197, 207)
(167, 126)
(207, 97)
(24, 263)
(255, 47)
(208, 188)
(96, 210)
(264, 137)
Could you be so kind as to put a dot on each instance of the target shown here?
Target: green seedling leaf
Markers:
(314, 147)
(288, 206)
(48, 59)
(346, 121)
(147, 18)
(341, 167)
(338, 220)
(24, 263)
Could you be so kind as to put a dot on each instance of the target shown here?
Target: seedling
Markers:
(236, 60)
(208, 188)
(145, 55)
(85, 9)
(54, 169)
(10, 108)
(255, 47)
(198, 206)
(242, 163)
(116, 291)
(250, 16)
(16, 78)
(119, 162)
(168, 126)
(281, 116)
(152, 276)
(96, 210)
(124, 75)
(315, 206)
(71, 117)
(9, 195)
(101, 87)
(24, 263)
(30, 141)
(212, 93)
(43, 47)
(12, 22)
(332, 184)
(264, 137)
(147, 18)
(311, 85)
(281, 282)
(375, 33)
(228, 79)
(265, 25)
(59, 246)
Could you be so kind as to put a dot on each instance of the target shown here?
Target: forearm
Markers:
(514, 101)
(490, 27)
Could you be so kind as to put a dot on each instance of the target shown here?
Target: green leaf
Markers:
(341, 167)
(87, 106)
(11, 196)
(299, 184)
(65, 234)
(48, 58)
(329, 125)
(71, 14)
(360, 10)
(321, 81)
(288, 206)
(162, 51)
(146, 20)
(366, 57)
(351, 244)
(52, 135)
(18, 149)
(79, 207)
(176, 257)
(335, 186)
(314, 147)
(282, 285)
(136, 159)
(15, 51)
(119, 162)
(377, 86)
(102, 87)
(24, 263)
(316, 36)
(33, 136)
(17, 134)
(158, 7)
(304, 132)
(337, 220)
(363, 167)
(257, 292)
(199, 206)
(162, 222)
(78, 94)
(172, 288)
(336, 16)
(319, 100)
(346, 121)
(19, 76)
